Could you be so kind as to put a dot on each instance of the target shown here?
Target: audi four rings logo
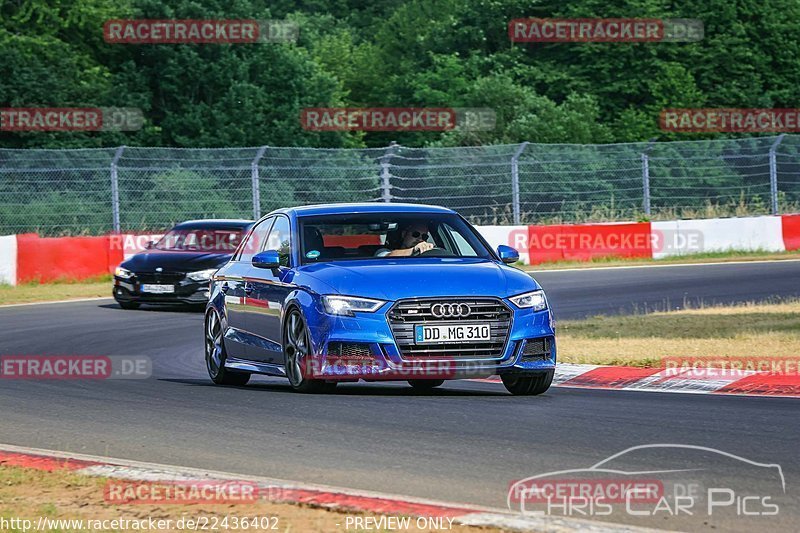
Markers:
(450, 310)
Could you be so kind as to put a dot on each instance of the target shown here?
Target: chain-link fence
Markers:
(93, 191)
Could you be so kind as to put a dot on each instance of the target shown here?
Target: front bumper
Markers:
(186, 291)
(364, 347)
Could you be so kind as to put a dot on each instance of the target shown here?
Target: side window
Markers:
(280, 239)
(255, 242)
(463, 248)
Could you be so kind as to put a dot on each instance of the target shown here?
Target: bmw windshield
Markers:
(388, 235)
(200, 240)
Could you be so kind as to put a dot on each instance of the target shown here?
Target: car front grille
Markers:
(161, 278)
(406, 314)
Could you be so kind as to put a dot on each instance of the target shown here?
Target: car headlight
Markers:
(201, 275)
(123, 273)
(345, 305)
(530, 300)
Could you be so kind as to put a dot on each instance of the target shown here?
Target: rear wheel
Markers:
(298, 353)
(425, 384)
(216, 355)
(527, 385)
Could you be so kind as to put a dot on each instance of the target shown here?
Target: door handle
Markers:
(248, 288)
(224, 287)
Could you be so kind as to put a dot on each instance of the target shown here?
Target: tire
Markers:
(129, 305)
(425, 384)
(527, 385)
(296, 350)
(216, 355)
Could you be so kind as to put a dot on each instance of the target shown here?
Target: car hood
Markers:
(174, 261)
(386, 279)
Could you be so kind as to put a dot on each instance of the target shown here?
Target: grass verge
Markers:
(711, 257)
(60, 290)
(750, 330)
(60, 495)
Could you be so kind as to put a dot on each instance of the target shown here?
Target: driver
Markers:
(412, 241)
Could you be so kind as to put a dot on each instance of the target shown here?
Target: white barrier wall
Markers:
(8, 259)
(514, 236)
(681, 237)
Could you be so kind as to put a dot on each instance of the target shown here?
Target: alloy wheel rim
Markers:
(213, 343)
(297, 343)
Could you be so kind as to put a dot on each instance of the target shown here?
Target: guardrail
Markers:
(30, 258)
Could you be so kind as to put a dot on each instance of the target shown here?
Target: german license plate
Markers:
(158, 289)
(424, 334)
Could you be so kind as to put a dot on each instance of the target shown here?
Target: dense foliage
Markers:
(454, 53)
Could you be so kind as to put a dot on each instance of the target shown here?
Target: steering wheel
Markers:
(437, 252)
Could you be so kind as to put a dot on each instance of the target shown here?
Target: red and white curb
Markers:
(683, 380)
(282, 491)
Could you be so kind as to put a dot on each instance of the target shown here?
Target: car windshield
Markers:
(375, 236)
(201, 240)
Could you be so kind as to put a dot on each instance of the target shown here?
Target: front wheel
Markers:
(527, 385)
(129, 305)
(299, 356)
(216, 355)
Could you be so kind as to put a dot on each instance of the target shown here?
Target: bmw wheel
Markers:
(521, 385)
(216, 355)
(298, 353)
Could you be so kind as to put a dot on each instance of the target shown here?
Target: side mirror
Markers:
(267, 259)
(507, 254)
(149, 245)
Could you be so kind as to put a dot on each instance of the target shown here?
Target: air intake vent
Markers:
(536, 349)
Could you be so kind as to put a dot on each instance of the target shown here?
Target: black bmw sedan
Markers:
(178, 268)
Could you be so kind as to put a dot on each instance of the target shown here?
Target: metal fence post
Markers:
(515, 181)
(115, 190)
(254, 181)
(773, 174)
(386, 184)
(646, 177)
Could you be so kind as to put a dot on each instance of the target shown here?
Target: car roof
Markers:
(217, 223)
(363, 207)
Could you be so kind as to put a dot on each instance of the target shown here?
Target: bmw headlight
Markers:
(201, 275)
(123, 273)
(530, 300)
(345, 305)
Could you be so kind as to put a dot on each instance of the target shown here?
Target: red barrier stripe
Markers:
(790, 227)
(370, 504)
(39, 462)
(582, 242)
(45, 259)
(764, 385)
(611, 377)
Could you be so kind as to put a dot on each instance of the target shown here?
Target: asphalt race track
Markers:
(465, 442)
(581, 293)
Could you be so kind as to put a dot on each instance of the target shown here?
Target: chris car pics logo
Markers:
(656, 481)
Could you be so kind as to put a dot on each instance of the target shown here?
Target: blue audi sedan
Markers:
(346, 292)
